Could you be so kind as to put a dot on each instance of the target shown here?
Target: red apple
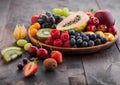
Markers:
(32, 51)
(105, 17)
(112, 30)
(34, 19)
(102, 28)
(42, 53)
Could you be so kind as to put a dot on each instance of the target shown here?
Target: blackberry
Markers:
(103, 40)
(97, 41)
(91, 43)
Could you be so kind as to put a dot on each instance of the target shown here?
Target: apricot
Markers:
(109, 36)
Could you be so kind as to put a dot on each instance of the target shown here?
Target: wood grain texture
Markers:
(114, 7)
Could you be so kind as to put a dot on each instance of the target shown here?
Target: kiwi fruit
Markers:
(11, 53)
(43, 34)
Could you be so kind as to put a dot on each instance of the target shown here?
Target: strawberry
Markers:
(30, 69)
(57, 55)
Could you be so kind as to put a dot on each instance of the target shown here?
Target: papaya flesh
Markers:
(76, 21)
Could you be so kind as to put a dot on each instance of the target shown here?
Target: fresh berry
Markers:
(85, 38)
(49, 41)
(64, 36)
(92, 36)
(50, 64)
(112, 30)
(57, 55)
(91, 43)
(84, 44)
(53, 26)
(34, 19)
(103, 40)
(42, 53)
(30, 69)
(97, 41)
(82, 34)
(71, 32)
(102, 28)
(67, 44)
(72, 36)
(77, 34)
(25, 61)
(91, 28)
(58, 42)
(79, 42)
(98, 36)
(55, 34)
(32, 51)
(94, 21)
(74, 46)
(72, 41)
(78, 37)
(20, 66)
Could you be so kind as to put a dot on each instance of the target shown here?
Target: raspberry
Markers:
(57, 42)
(64, 36)
(55, 34)
(67, 44)
(49, 41)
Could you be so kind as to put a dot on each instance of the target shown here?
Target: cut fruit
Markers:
(9, 48)
(77, 21)
(109, 36)
(43, 34)
(11, 55)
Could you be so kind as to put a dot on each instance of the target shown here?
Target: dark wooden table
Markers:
(101, 68)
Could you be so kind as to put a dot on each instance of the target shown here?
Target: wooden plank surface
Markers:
(101, 68)
(91, 69)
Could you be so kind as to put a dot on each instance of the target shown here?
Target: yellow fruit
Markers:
(109, 36)
(88, 32)
(100, 32)
(20, 32)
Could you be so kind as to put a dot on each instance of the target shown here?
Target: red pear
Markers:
(105, 17)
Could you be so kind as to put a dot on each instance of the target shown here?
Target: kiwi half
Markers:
(43, 34)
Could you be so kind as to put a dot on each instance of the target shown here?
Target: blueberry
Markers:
(72, 41)
(79, 42)
(78, 37)
(77, 34)
(82, 34)
(71, 32)
(103, 40)
(92, 36)
(91, 43)
(97, 41)
(20, 66)
(98, 36)
(85, 38)
(72, 36)
(25, 61)
(84, 44)
(74, 46)
(53, 26)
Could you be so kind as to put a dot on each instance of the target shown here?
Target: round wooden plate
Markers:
(73, 50)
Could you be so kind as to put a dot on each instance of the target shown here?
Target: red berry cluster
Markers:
(58, 39)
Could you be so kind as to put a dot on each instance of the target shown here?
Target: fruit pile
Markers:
(76, 29)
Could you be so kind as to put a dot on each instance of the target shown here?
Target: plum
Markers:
(105, 17)
(32, 51)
